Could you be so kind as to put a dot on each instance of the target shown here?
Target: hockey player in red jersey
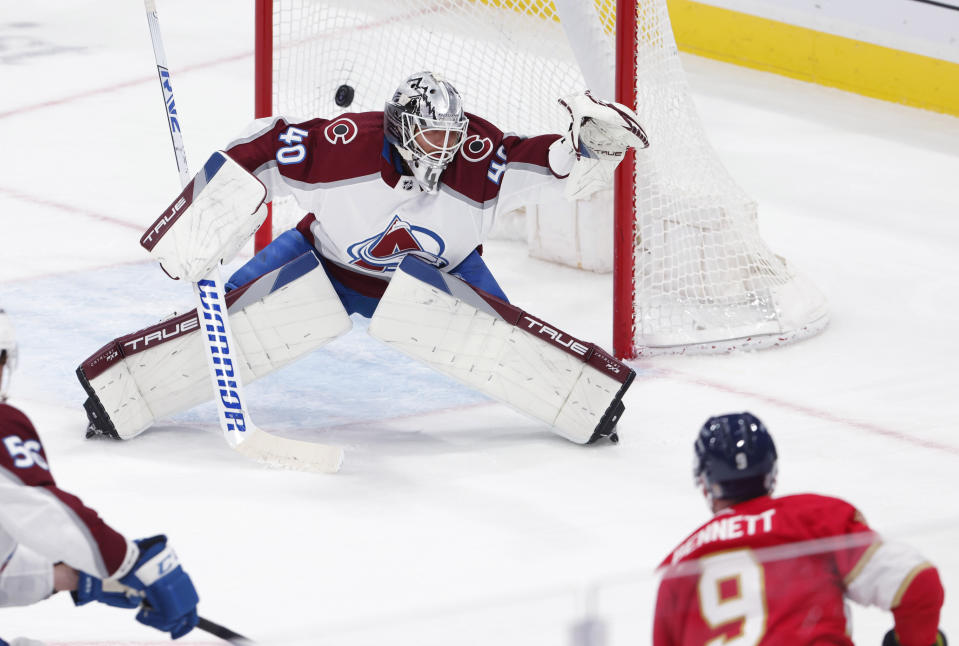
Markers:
(772, 571)
(50, 541)
(398, 204)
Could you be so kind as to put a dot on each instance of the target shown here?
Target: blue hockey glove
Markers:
(90, 588)
(177, 627)
(171, 599)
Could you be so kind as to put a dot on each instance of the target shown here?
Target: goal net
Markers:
(692, 273)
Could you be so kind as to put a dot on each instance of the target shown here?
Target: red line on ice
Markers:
(875, 429)
(109, 89)
(60, 206)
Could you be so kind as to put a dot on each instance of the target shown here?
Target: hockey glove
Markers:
(602, 130)
(90, 588)
(599, 135)
(170, 598)
(891, 640)
(209, 221)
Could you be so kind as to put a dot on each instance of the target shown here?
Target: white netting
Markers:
(372, 45)
(704, 279)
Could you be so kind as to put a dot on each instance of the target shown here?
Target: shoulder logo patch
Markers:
(476, 148)
(341, 131)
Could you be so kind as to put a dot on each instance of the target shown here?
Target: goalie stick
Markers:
(238, 428)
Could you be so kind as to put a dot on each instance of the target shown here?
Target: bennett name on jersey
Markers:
(777, 571)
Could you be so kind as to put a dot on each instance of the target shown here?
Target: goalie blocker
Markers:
(502, 351)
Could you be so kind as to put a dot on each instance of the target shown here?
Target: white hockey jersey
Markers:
(367, 216)
(40, 524)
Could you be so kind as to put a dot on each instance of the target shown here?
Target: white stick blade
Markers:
(290, 454)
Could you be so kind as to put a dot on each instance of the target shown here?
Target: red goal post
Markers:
(624, 191)
(691, 272)
(263, 92)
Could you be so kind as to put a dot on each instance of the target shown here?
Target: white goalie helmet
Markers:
(425, 122)
(8, 353)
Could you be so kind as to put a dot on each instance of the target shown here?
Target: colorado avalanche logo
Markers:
(341, 131)
(383, 252)
(476, 148)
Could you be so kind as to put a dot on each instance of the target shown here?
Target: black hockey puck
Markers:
(344, 95)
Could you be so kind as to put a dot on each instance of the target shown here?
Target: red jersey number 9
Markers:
(732, 589)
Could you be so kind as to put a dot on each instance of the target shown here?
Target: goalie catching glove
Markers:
(600, 133)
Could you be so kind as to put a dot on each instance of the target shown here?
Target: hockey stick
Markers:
(223, 632)
(217, 337)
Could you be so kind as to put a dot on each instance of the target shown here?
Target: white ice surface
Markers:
(455, 520)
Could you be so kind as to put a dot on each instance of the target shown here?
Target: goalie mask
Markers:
(424, 121)
(8, 353)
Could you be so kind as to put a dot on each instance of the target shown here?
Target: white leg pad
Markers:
(503, 352)
(151, 374)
